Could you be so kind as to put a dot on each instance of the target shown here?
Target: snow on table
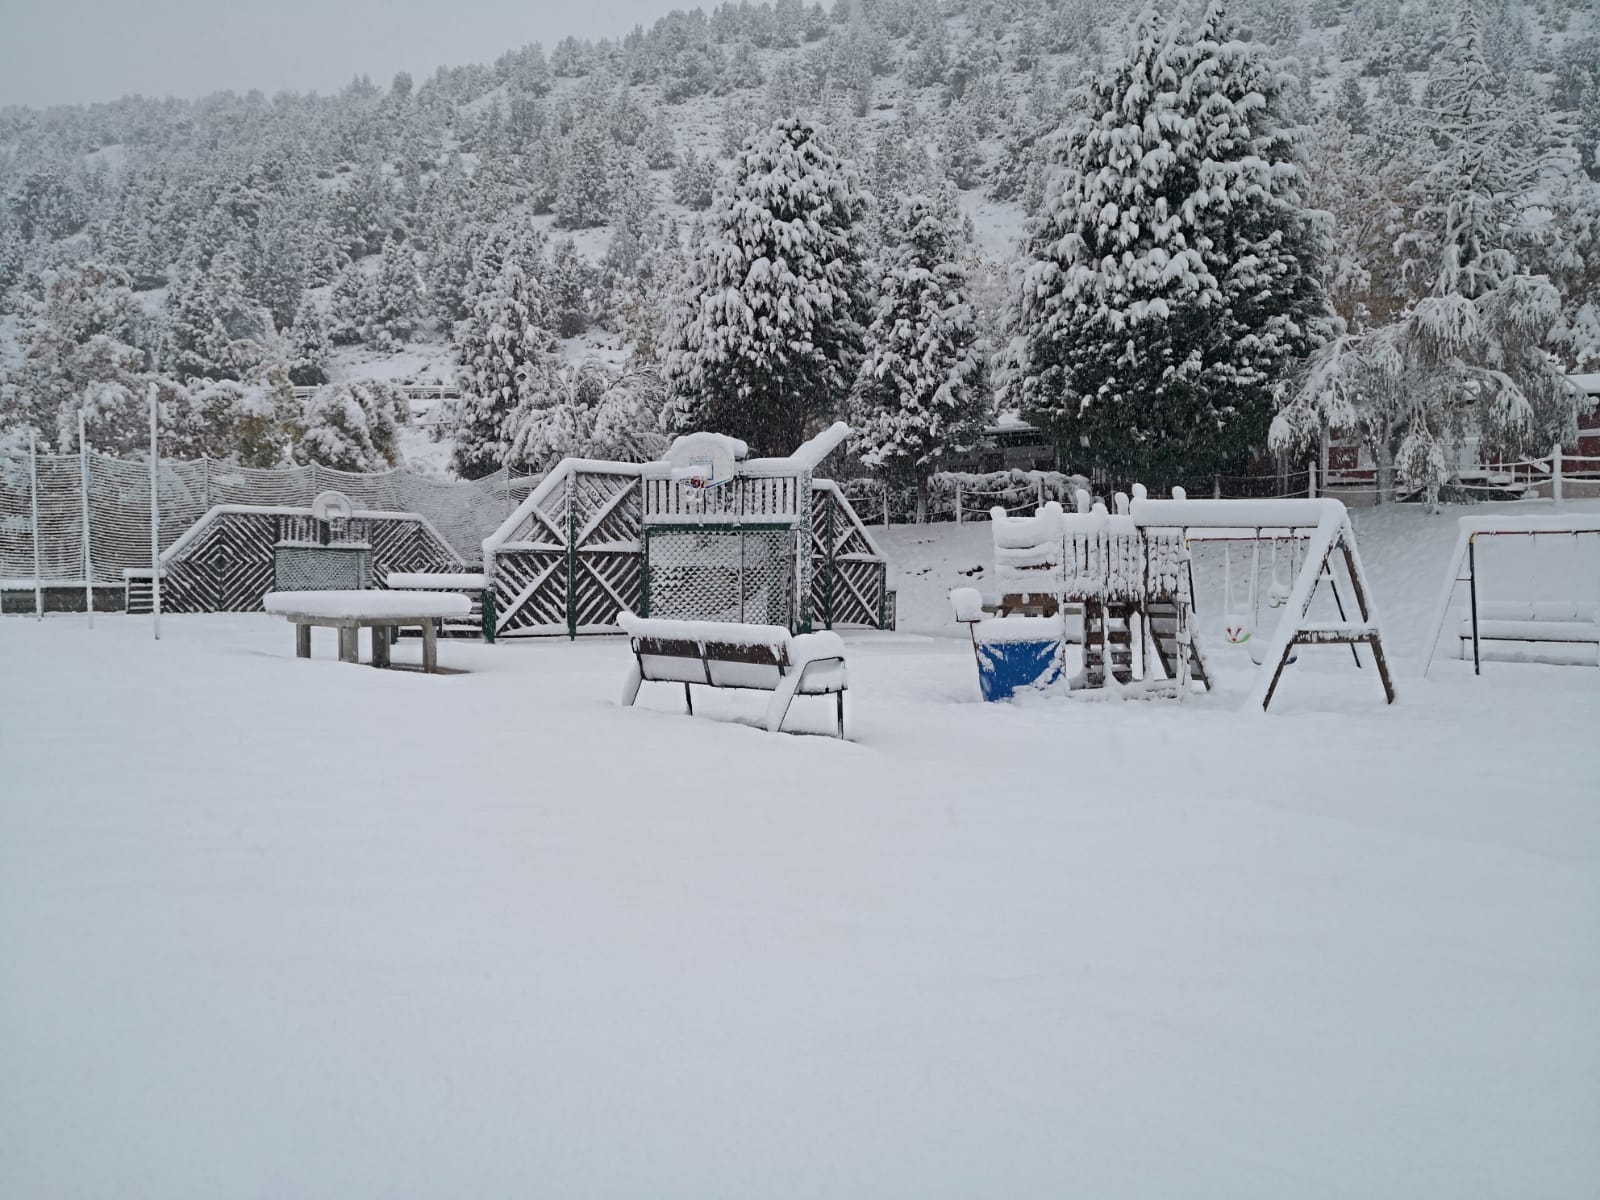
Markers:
(371, 603)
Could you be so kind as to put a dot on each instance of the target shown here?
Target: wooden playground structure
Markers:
(1127, 574)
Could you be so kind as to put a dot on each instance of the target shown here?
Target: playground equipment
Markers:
(1554, 631)
(1129, 573)
(703, 534)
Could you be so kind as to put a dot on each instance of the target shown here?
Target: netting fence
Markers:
(960, 496)
(44, 500)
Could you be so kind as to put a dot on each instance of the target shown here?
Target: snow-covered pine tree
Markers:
(336, 432)
(507, 356)
(920, 393)
(396, 298)
(695, 180)
(1473, 355)
(308, 346)
(958, 146)
(583, 199)
(766, 334)
(352, 306)
(1171, 280)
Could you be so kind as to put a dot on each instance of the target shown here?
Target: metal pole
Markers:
(88, 566)
(155, 518)
(1472, 590)
(38, 568)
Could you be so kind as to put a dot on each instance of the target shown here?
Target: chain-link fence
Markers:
(729, 574)
(44, 500)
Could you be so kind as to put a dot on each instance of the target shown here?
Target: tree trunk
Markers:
(1384, 454)
(922, 499)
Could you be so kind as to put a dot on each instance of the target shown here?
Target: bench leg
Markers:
(302, 641)
(630, 688)
(380, 645)
(688, 700)
(349, 644)
(782, 697)
(841, 715)
(430, 648)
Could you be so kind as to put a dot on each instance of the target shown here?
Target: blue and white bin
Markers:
(1015, 654)
(1018, 654)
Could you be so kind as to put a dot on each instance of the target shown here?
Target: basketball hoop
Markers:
(702, 462)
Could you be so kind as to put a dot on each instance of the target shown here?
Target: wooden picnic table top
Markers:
(365, 605)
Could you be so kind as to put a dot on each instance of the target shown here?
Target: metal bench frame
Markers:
(762, 654)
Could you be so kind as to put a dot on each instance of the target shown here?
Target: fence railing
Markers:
(961, 497)
(44, 499)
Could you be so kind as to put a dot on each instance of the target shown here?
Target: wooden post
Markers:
(886, 507)
(1311, 480)
(349, 643)
(1040, 481)
(1555, 475)
(958, 502)
(430, 648)
(302, 641)
(380, 646)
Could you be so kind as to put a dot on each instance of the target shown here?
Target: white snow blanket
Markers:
(1056, 949)
(366, 603)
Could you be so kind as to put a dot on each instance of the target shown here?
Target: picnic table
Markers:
(380, 611)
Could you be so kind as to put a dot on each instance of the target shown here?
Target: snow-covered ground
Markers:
(274, 928)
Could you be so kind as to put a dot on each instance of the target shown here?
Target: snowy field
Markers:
(284, 929)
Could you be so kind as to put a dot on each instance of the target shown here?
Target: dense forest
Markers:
(1170, 239)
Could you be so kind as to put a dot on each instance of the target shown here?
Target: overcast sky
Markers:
(71, 51)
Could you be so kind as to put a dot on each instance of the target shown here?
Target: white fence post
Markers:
(958, 502)
(88, 565)
(1311, 481)
(38, 558)
(155, 517)
(1555, 475)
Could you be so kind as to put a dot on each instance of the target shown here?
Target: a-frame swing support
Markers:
(1331, 531)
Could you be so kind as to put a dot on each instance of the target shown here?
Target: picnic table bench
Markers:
(380, 611)
(715, 654)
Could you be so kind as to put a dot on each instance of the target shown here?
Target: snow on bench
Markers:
(465, 581)
(728, 655)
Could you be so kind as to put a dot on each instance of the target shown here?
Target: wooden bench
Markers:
(475, 587)
(763, 658)
(380, 611)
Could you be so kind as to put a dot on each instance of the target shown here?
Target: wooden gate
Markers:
(573, 560)
(849, 575)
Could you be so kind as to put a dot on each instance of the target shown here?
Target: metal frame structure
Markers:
(1466, 552)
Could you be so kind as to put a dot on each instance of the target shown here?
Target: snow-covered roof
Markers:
(1588, 384)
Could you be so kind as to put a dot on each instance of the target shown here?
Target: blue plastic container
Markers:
(1006, 667)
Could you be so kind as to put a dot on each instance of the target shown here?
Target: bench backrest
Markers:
(720, 664)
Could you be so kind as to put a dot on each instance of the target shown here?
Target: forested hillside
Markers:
(1148, 234)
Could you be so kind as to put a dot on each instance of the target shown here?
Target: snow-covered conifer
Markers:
(1172, 280)
(920, 393)
(507, 358)
(766, 336)
(308, 346)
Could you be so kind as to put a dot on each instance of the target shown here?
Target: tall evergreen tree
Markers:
(920, 394)
(507, 356)
(1172, 281)
(767, 333)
